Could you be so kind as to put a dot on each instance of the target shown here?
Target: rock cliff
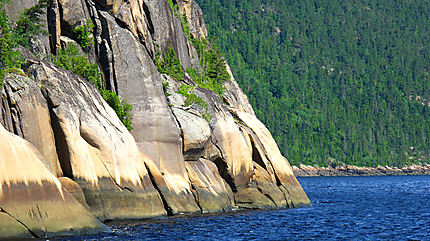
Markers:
(211, 155)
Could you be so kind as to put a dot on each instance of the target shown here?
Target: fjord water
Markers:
(347, 208)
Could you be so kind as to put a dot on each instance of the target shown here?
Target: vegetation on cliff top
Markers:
(9, 57)
(72, 60)
(27, 27)
(213, 71)
(333, 80)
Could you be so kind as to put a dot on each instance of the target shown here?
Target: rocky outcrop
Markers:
(212, 192)
(195, 133)
(168, 31)
(234, 96)
(32, 201)
(194, 15)
(155, 130)
(280, 167)
(350, 170)
(25, 113)
(210, 155)
(112, 5)
(95, 149)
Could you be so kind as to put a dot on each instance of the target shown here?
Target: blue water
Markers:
(344, 208)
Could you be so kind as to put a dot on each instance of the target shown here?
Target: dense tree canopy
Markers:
(343, 80)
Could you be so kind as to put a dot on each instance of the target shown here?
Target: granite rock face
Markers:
(179, 157)
(95, 149)
(155, 129)
(214, 194)
(32, 200)
(25, 113)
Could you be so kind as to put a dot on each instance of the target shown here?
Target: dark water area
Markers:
(343, 208)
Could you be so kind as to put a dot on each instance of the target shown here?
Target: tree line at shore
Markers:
(334, 81)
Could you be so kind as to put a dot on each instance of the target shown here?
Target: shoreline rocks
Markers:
(350, 170)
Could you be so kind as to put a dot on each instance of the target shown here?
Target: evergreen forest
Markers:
(334, 81)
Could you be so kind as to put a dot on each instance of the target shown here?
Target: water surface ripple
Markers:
(344, 208)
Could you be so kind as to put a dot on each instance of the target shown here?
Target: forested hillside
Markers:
(333, 80)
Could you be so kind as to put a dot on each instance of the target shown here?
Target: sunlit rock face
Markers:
(212, 192)
(25, 113)
(274, 162)
(32, 201)
(179, 157)
(154, 127)
(95, 148)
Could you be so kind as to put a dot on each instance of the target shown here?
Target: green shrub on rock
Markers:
(84, 34)
(70, 59)
(169, 64)
(9, 58)
(193, 99)
(29, 24)
(122, 107)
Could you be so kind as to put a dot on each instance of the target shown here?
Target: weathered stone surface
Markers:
(168, 31)
(40, 43)
(194, 14)
(67, 42)
(251, 198)
(74, 13)
(54, 24)
(17, 6)
(133, 15)
(74, 189)
(116, 176)
(234, 96)
(10, 228)
(267, 187)
(212, 193)
(281, 167)
(175, 200)
(154, 127)
(31, 194)
(195, 133)
(95, 149)
(234, 148)
(25, 112)
(112, 5)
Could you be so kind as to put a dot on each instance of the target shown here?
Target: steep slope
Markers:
(195, 146)
(334, 81)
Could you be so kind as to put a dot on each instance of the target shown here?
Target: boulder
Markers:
(95, 149)
(211, 191)
(195, 133)
(32, 201)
